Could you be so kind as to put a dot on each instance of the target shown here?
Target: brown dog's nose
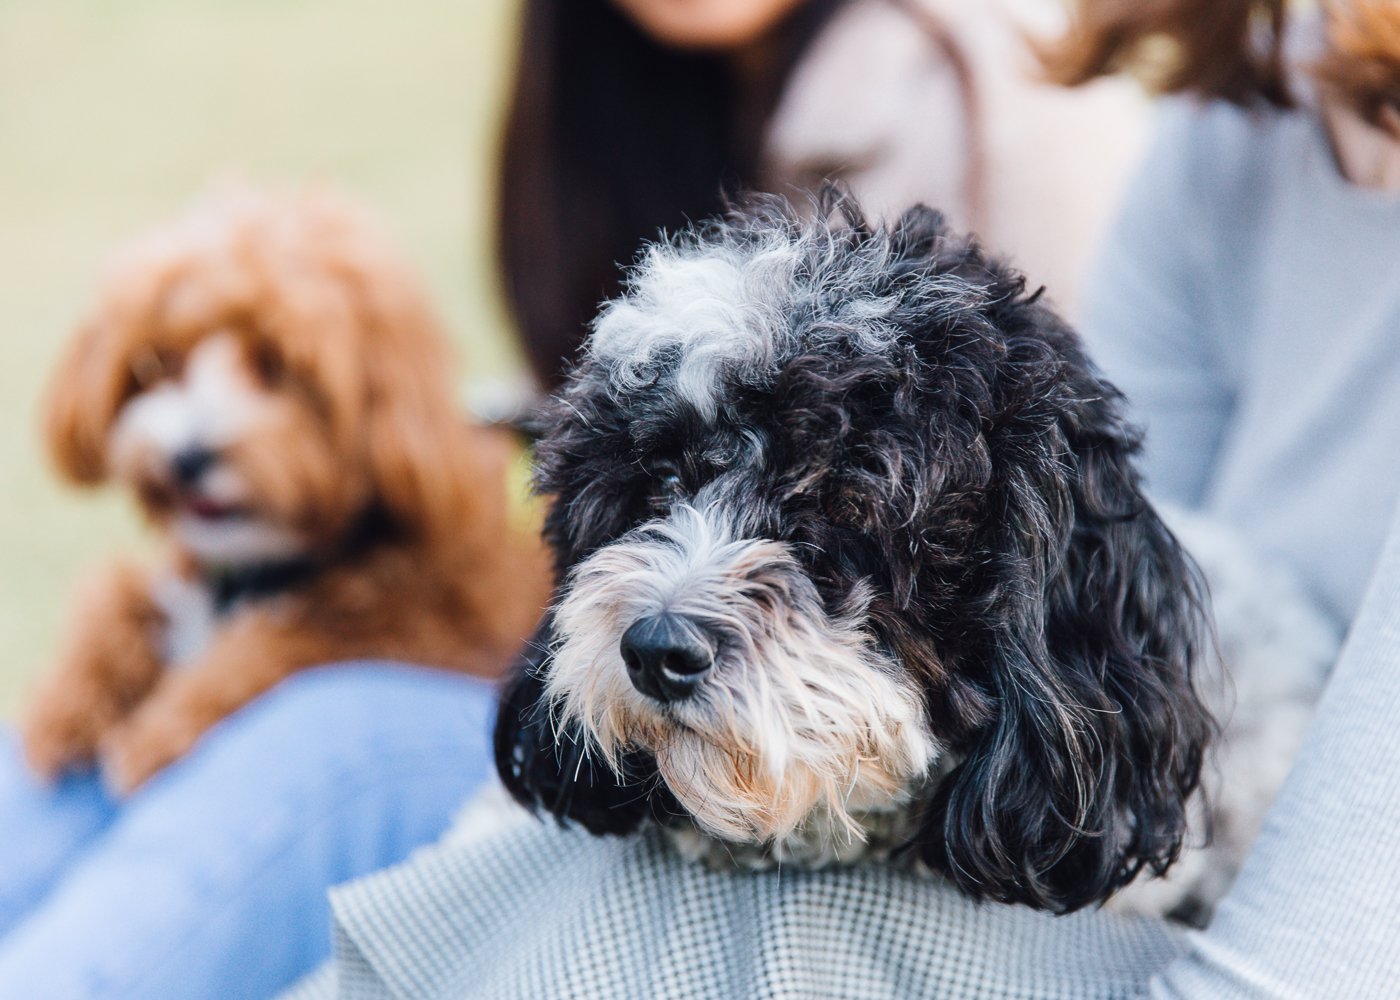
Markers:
(667, 656)
(190, 464)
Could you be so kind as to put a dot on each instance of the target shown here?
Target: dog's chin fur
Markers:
(805, 726)
(236, 542)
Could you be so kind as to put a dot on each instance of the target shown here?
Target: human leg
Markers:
(211, 882)
(43, 827)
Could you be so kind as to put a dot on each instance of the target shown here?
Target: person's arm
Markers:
(1316, 911)
(1148, 309)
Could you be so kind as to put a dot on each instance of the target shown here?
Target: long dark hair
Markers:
(610, 137)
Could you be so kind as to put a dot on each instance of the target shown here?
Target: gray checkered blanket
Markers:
(537, 913)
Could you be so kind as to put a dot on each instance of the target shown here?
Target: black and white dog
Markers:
(855, 562)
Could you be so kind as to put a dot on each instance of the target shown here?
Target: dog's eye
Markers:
(667, 481)
(151, 366)
(271, 366)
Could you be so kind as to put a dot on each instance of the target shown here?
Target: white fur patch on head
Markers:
(724, 310)
(803, 724)
(721, 308)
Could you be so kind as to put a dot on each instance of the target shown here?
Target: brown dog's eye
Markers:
(150, 366)
(271, 366)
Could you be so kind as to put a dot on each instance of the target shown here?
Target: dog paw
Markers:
(144, 745)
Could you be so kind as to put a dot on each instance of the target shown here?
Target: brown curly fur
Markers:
(359, 427)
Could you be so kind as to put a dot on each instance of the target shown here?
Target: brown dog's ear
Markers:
(430, 468)
(424, 467)
(97, 369)
(80, 404)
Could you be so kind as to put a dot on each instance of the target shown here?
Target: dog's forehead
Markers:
(701, 318)
(698, 316)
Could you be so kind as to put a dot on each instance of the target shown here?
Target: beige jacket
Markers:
(877, 103)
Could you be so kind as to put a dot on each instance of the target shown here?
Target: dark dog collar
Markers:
(238, 584)
(249, 583)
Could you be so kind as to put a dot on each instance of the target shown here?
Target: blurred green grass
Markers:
(113, 114)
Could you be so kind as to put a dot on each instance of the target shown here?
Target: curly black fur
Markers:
(925, 428)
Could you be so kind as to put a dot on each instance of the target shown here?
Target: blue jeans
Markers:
(211, 880)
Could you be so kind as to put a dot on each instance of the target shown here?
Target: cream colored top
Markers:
(876, 103)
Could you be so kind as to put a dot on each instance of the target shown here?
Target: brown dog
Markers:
(268, 380)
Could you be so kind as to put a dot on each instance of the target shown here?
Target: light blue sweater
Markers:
(1248, 302)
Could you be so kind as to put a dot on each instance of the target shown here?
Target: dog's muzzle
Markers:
(667, 656)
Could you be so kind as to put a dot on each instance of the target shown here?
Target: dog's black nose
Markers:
(189, 464)
(667, 656)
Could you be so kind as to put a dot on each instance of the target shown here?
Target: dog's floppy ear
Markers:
(81, 402)
(427, 463)
(422, 462)
(111, 349)
(1092, 618)
(546, 766)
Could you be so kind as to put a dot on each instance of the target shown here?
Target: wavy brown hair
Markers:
(1230, 49)
(1362, 64)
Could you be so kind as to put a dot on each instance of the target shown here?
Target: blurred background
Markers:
(113, 114)
(630, 115)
